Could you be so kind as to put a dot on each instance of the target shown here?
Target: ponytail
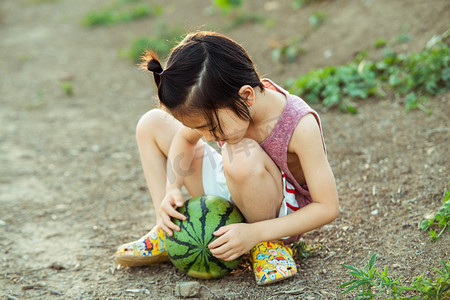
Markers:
(150, 62)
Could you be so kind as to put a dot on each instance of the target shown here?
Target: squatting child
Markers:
(273, 164)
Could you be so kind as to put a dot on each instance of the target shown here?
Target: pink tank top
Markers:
(276, 144)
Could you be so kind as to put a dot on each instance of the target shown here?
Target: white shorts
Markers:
(213, 177)
(214, 182)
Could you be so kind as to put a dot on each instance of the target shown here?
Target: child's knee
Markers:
(243, 160)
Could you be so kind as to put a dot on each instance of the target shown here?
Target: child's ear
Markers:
(247, 93)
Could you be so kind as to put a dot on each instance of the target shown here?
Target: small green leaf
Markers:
(426, 224)
(380, 43)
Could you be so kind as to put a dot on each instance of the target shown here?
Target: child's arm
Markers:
(306, 142)
(180, 157)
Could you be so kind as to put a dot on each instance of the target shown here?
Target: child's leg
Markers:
(154, 135)
(256, 186)
(254, 180)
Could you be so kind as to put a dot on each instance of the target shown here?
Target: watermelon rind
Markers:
(188, 248)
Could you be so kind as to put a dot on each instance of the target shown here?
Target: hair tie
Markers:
(160, 72)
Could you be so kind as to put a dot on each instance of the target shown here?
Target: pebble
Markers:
(187, 289)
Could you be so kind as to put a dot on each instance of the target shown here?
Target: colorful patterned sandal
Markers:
(272, 262)
(148, 250)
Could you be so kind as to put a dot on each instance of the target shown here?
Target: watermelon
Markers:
(188, 248)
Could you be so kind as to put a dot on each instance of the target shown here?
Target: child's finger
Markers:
(217, 245)
(221, 230)
(176, 214)
(166, 230)
(229, 255)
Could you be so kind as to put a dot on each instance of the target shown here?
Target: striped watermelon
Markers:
(188, 248)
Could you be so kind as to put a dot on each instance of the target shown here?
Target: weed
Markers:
(235, 14)
(120, 12)
(404, 37)
(161, 42)
(67, 87)
(227, 6)
(302, 251)
(380, 43)
(438, 288)
(242, 17)
(41, 1)
(297, 4)
(287, 51)
(373, 284)
(414, 76)
(317, 19)
(439, 219)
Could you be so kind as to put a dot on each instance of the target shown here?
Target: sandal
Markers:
(272, 262)
(148, 250)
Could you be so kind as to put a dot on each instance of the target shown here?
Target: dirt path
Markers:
(71, 185)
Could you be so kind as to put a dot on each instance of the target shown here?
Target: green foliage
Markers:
(297, 4)
(161, 42)
(41, 1)
(226, 6)
(317, 19)
(120, 11)
(335, 86)
(380, 43)
(369, 283)
(287, 51)
(67, 87)
(243, 17)
(414, 76)
(438, 288)
(235, 15)
(302, 251)
(440, 219)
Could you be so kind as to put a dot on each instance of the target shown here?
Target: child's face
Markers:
(234, 128)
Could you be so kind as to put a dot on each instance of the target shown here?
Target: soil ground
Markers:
(71, 184)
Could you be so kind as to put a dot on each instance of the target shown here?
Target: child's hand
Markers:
(171, 201)
(234, 240)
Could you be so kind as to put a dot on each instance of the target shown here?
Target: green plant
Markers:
(67, 87)
(438, 288)
(380, 43)
(317, 19)
(164, 39)
(41, 1)
(404, 37)
(297, 4)
(335, 86)
(287, 51)
(439, 219)
(120, 11)
(414, 76)
(235, 15)
(243, 17)
(302, 251)
(373, 284)
(227, 6)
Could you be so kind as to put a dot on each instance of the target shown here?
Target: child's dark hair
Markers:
(203, 74)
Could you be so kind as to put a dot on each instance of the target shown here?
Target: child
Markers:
(273, 163)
